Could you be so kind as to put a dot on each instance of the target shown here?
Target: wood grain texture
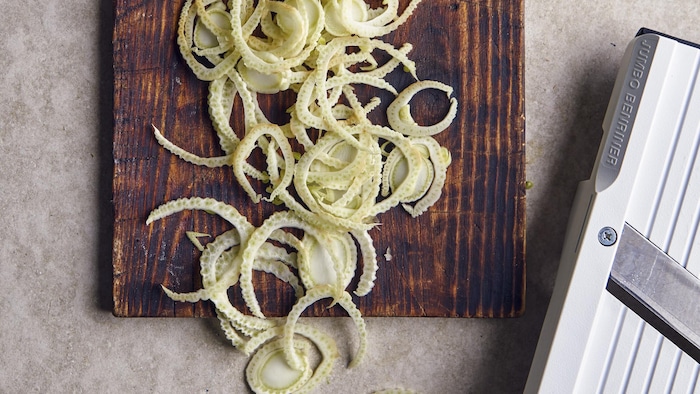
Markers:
(465, 257)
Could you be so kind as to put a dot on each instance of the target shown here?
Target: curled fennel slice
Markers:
(318, 293)
(399, 113)
(268, 371)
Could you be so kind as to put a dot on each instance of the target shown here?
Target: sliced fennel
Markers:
(332, 168)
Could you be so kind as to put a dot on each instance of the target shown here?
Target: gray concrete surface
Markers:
(57, 333)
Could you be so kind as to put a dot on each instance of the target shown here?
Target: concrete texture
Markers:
(57, 333)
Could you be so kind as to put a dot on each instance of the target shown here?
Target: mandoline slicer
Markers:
(625, 312)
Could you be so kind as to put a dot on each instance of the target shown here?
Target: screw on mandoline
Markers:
(607, 236)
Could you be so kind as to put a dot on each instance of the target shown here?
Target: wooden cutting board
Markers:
(465, 257)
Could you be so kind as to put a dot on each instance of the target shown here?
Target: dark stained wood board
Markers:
(465, 257)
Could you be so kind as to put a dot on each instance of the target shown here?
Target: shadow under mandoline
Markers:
(106, 164)
(507, 364)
